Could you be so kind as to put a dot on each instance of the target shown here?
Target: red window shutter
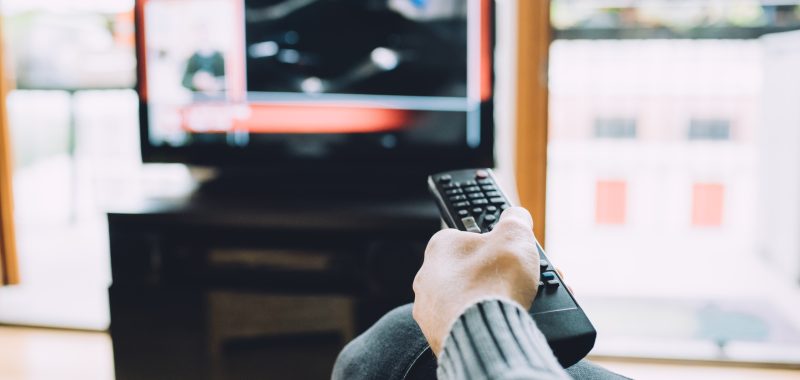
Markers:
(708, 201)
(610, 198)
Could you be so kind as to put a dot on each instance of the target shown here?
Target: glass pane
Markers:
(73, 120)
(674, 174)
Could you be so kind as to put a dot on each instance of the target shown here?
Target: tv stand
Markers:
(202, 284)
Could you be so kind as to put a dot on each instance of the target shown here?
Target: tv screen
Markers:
(260, 83)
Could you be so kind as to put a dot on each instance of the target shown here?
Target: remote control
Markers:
(471, 200)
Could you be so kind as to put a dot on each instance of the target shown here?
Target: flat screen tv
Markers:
(317, 85)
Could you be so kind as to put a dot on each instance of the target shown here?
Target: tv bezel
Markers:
(250, 158)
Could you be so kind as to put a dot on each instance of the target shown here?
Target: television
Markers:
(317, 86)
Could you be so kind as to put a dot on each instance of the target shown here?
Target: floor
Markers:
(39, 354)
(670, 371)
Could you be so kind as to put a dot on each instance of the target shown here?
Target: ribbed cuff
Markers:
(497, 339)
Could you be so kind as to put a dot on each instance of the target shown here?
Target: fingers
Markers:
(445, 235)
(442, 238)
(450, 242)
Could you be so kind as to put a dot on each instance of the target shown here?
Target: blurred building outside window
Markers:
(668, 221)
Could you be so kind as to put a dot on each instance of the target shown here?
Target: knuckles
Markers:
(515, 247)
(449, 241)
(520, 214)
(442, 237)
(513, 225)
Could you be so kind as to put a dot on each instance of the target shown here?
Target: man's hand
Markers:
(462, 268)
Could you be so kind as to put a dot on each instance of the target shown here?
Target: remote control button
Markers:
(481, 201)
(548, 276)
(463, 213)
(504, 206)
(472, 189)
(491, 209)
(470, 225)
(486, 181)
(456, 198)
(497, 200)
(480, 174)
(541, 284)
(490, 218)
(490, 227)
(543, 264)
(493, 194)
(453, 191)
(470, 183)
(477, 210)
(552, 283)
(445, 178)
(448, 186)
(475, 195)
(488, 188)
(461, 204)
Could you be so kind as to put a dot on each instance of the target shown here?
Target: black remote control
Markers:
(471, 200)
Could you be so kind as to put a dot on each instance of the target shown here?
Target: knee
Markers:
(347, 364)
(369, 355)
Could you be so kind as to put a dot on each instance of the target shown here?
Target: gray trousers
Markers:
(394, 348)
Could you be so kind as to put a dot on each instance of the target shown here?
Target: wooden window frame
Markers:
(9, 273)
(533, 45)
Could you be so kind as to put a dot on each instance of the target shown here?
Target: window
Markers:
(709, 129)
(672, 79)
(615, 128)
(610, 197)
(72, 118)
(707, 204)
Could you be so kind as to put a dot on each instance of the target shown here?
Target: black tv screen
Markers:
(320, 83)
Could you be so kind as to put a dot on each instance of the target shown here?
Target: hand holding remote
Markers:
(471, 200)
(462, 268)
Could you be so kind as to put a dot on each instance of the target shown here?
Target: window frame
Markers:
(9, 270)
(532, 51)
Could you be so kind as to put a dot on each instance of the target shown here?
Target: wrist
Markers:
(437, 345)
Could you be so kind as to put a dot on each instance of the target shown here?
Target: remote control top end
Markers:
(470, 200)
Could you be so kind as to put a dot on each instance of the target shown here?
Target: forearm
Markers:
(496, 339)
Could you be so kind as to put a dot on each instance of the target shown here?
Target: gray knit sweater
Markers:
(497, 339)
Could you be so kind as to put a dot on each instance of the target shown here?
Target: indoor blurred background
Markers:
(673, 193)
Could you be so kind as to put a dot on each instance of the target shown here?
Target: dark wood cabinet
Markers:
(252, 288)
